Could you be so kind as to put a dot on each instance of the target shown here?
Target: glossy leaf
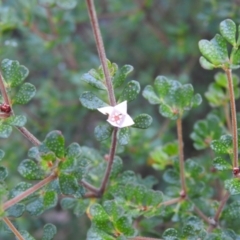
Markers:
(25, 94)
(103, 131)
(121, 75)
(170, 234)
(223, 145)
(50, 199)
(49, 231)
(130, 91)
(124, 225)
(228, 31)
(13, 73)
(90, 79)
(5, 131)
(233, 185)
(142, 121)
(90, 101)
(3, 173)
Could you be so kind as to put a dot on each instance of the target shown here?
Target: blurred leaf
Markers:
(35, 207)
(121, 75)
(19, 121)
(171, 234)
(123, 136)
(192, 228)
(3, 173)
(66, 4)
(228, 31)
(223, 145)
(150, 95)
(30, 170)
(90, 101)
(124, 225)
(13, 73)
(103, 131)
(19, 188)
(171, 176)
(130, 91)
(73, 150)
(26, 235)
(2, 153)
(50, 199)
(221, 164)
(25, 94)
(5, 131)
(49, 231)
(206, 64)
(16, 210)
(233, 185)
(142, 121)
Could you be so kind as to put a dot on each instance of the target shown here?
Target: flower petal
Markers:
(128, 121)
(106, 110)
(122, 107)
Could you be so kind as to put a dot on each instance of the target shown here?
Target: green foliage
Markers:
(174, 98)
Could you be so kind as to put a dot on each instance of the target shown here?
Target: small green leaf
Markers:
(18, 121)
(73, 150)
(209, 51)
(50, 199)
(3, 173)
(123, 136)
(13, 72)
(55, 142)
(228, 31)
(16, 210)
(142, 121)
(121, 75)
(35, 207)
(66, 4)
(90, 79)
(150, 95)
(30, 170)
(192, 228)
(49, 231)
(90, 101)
(5, 131)
(221, 164)
(25, 94)
(2, 153)
(233, 185)
(130, 91)
(205, 63)
(166, 111)
(235, 56)
(223, 145)
(19, 188)
(26, 235)
(68, 184)
(103, 131)
(196, 100)
(124, 225)
(171, 176)
(171, 234)
(221, 46)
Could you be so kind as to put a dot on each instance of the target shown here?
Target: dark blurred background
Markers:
(55, 42)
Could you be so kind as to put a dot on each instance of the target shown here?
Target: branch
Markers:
(13, 229)
(234, 117)
(28, 192)
(101, 50)
(181, 157)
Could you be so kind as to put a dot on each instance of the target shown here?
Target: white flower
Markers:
(117, 115)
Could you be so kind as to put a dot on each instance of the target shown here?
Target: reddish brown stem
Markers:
(101, 50)
(13, 229)
(219, 210)
(28, 192)
(4, 91)
(233, 117)
(181, 157)
(29, 136)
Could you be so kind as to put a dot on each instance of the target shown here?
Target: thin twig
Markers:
(227, 115)
(29, 136)
(89, 187)
(208, 220)
(28, 192)
(181, 156)
(233, 117)
(219, 210)
(4, 91)
(110, 161)
(170, 202)
(101, 50)
(13, 229)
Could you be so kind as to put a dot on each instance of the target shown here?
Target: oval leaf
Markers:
(103, 131)
(142, 121)
(130, 92)
(25, 94)
(233, 185)
(228, 31)
(91, 80)
(49, 231)
(121, 75)
(5, 131)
